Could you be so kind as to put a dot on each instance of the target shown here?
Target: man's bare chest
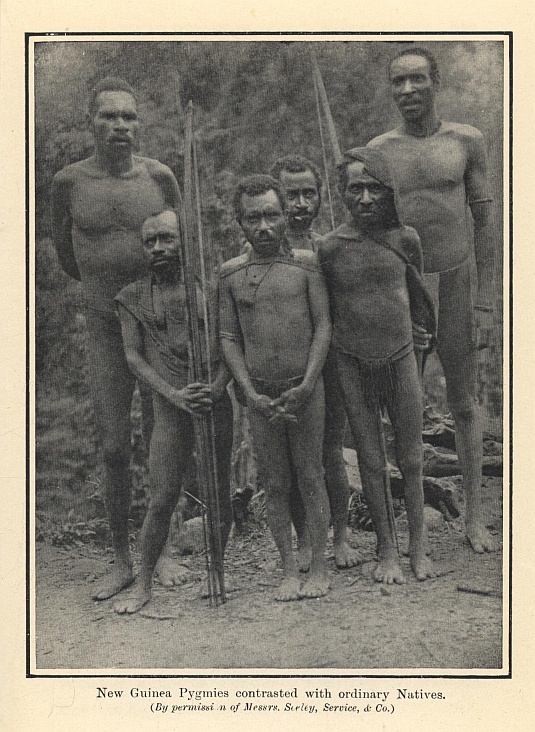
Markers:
(100, 204)
(437, 164)
(269, 286)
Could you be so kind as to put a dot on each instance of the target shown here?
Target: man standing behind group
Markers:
(301, 184)
(98, 207)
(440, 170)
(275, 334)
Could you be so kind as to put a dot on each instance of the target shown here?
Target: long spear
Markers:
(321, 96)
(200, 358)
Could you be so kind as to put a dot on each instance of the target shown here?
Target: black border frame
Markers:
(274, 34)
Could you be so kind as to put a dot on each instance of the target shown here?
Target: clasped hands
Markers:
(283, 408)
(197, 398)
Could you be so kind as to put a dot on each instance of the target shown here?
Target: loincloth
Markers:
(268, 387)
(378, 379)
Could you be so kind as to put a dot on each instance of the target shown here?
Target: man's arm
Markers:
(318, 301)
(193, 398)
(484, 246)
(62, 224)
(167, 182)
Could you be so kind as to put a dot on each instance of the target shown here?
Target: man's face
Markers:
(302, 198)
(115, 122)
(367, 200)
(161, 242)
(263, 222)
(412, 87)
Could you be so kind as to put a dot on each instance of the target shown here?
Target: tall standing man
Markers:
(440, 168)
(301, 184)
(98, 207)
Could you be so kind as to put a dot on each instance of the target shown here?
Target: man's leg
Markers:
(406, 414)
(466, 414)
(336, 480)
(366, 429)
(456, 348)
(112, 387)
(273, 466)
(306, 441)
(170, 449)
(299, 520)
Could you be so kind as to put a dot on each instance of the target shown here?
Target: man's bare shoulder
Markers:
(306, 259)
(331, 242)
(463, 131)
(154, 167)
(234, 265)
(387, 137)
(70, 173)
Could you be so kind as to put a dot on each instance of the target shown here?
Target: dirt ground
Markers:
(358, 625)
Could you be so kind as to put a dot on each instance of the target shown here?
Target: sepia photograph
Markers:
(268, 283)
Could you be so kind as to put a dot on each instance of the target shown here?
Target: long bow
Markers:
(201, 362)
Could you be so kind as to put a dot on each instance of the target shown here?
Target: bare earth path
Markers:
(359, 625)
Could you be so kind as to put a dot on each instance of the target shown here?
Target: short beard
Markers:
(166, 271)
(302, 225)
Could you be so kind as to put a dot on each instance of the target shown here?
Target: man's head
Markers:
(414, 80)
(161, 241)
(113, 115)
(367, 188)
(259, 206)
(301, 184)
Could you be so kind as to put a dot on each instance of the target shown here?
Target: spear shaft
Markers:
(200, 359)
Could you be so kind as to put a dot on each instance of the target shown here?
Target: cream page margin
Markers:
(69, 703)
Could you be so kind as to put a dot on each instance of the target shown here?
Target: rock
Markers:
(440, 435)
(191, 537)
(433, 518)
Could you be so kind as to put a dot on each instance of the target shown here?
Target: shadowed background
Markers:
(254, 101)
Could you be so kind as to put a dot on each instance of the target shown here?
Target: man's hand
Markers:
(420, 337)
(217, 389)
(293, 399)
(262, 404)
(194, 398)
(485, 320)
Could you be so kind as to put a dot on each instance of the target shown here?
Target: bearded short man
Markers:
(441, 172)
(371, 265)
(301, 184)
(155, 334)
(275, 333)
(98, 207)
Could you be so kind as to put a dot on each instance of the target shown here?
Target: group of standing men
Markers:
(409, 193)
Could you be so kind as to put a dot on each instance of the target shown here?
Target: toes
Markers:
(316, 588)
(112, 587)
(288, 591)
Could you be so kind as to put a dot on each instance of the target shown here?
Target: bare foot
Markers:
(423, 567)
(480, 539)
(304, 557)
(118, 579)
(132, 604)
(170, 572)
(345, 556)
(288, 590)
(316, 586)
(389, 571)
